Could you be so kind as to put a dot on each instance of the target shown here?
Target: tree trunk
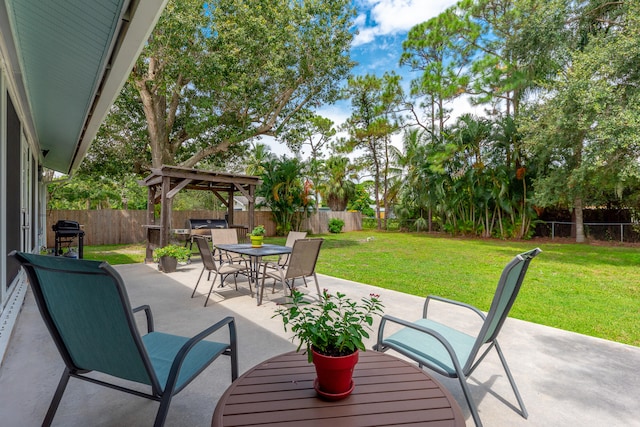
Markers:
(577, 210)
(385, 194)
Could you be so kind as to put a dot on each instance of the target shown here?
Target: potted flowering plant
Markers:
(168, 256)
(257, 236)
(332, 330)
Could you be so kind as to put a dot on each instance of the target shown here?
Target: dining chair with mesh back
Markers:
(301, 265)
(291, 238)
(452, 352)
(227, 236)
(222, 269)
(85, 307)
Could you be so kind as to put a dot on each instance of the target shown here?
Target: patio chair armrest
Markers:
(442, 340)
(273, 265)
(149, 316)
(184, 350)
(224, 257)
(219, 255)
(450, 301)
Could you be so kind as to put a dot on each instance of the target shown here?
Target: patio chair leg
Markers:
(53, 406)
(284, 283)
(315, 278)
(198, 282)
(260, 292)
(222, 277)
(523, 410)
(250, 289)
(161, 415)
(213, 282)
(472, 405)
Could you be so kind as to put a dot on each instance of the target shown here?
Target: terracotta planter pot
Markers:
(168, 264)
(334, 380)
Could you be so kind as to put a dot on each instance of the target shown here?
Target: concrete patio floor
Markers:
(565, 379)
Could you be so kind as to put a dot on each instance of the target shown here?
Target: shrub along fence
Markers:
(113, 227)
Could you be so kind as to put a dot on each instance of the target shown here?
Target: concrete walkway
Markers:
(566, 379)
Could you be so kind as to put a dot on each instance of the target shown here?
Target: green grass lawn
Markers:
(590, 289)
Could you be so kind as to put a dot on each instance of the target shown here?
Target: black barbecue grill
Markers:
(201, 227)
(205, 224)
(66, 234)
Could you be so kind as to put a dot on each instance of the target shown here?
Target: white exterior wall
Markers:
(12, 294)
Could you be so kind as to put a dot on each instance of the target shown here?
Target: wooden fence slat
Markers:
(111, 227)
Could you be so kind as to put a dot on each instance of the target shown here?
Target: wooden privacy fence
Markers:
(113, 227)
(318, 223)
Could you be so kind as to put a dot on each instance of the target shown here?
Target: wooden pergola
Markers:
(164, 183)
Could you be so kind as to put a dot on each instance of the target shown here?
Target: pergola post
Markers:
(151, 220)
(252, 207)
(230, 219)
(165, 212)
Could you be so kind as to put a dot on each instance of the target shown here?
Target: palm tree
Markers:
(257, 157)
(410, 182)
(339, 188)
(285, 193)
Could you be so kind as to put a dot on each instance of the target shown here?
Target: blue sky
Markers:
(382, 26)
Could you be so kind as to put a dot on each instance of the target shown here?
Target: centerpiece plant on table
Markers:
(332, 329)
(257, 236)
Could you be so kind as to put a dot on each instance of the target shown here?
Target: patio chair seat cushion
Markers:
(427, 350)
(162, 349)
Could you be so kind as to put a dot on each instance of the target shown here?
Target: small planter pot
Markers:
(168, 264)
(256, 241)
(335, 375)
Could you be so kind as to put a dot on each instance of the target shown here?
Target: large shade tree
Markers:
(585, 129)
(438, 52)
(216, 74)
(376, 103)
(311, 134)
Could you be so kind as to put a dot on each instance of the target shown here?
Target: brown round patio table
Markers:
(388, 391)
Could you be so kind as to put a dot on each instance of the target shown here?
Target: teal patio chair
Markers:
(454, 353)
(85, 307)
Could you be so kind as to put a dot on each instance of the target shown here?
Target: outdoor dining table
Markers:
(388, 391)
(255, 255)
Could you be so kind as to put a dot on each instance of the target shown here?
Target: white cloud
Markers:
(390, 17)
(338, 113)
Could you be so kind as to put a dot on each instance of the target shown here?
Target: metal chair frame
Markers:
(461, 364)
(222, 268)
(301, 264)
(56, 281)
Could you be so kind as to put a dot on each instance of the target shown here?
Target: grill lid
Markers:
(195, 224)
(65, 225)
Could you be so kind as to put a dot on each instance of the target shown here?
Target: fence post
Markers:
(553, 226)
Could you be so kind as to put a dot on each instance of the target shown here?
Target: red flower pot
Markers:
(334, 375)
